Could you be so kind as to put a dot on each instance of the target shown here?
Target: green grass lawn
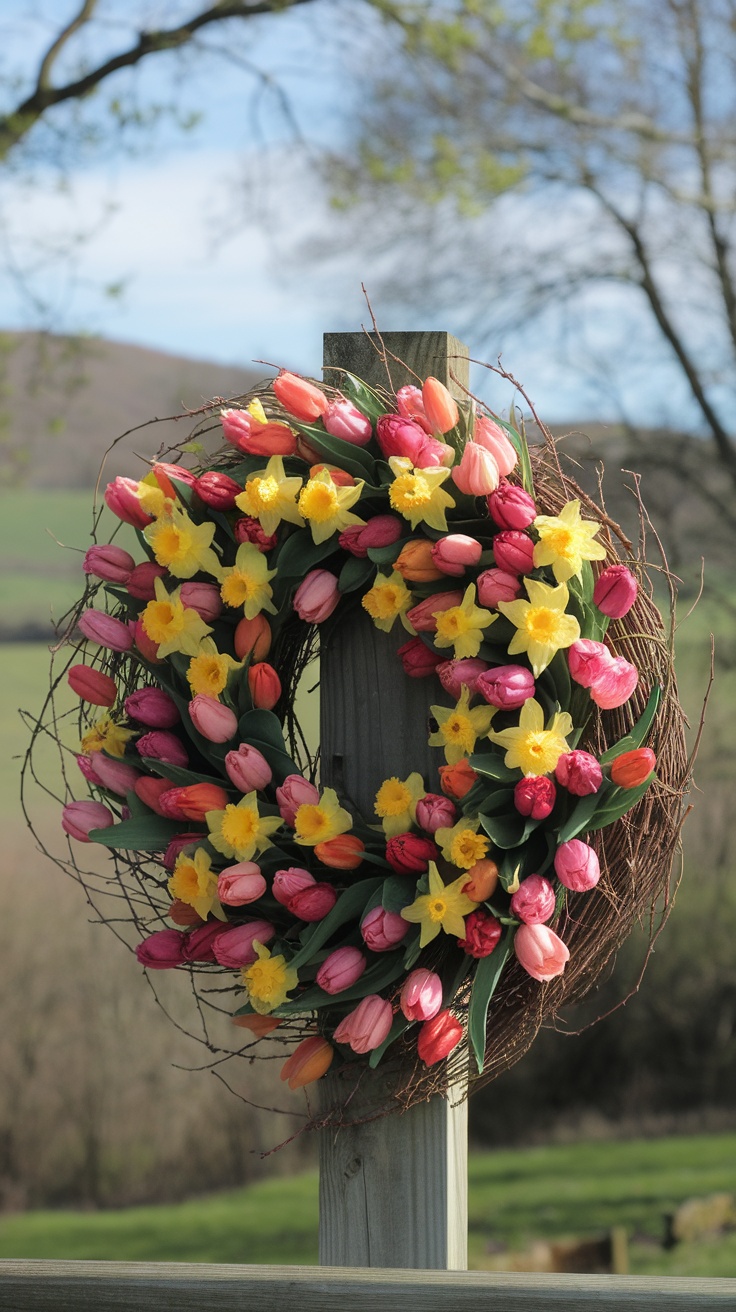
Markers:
(515, 1198)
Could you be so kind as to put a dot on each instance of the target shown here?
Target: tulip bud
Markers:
(421, 995)
(615, 684)
(105, 630)
(109, 563)
(438, 1037)
(301, 399)
(579, 773)
(92, 685)
(482, 880)
(246, 434)
(309, 1062)
(248, 769)
(457, 780)
(141, 580)
(164, 474)
(454, 553)
(341, 969)
(422, 617)
(477, 473)
(149, 790)
(454, 675)
(435, 812)
(493, 438)
(342, 419)
(162, 950)
(248, 529)
(482, 932)
(577, 866)
(511, 506)
(287, 883)
(204, 598)
(382, 930)
(217, 490)
(114, 775)
(513, 552)
(410, 854)
(540, 951)
(253, 638)
(234, 948)
(631, 768)
(398, 436)
(121, 497)
(79, 818)
(506, 686)
(409, 403)
(294, 792)
(153, 707)
(240, 884)
(199, 944)
(265, 686)
(615, 591)
(535, 796)
(415, 564)
(496, 585)
(312, 903)
(588, 660)
(177, 845)
(87, 767)
(439, 406)
(193, 801)
(345, 852)
(317, 596)
(183, 915)
(162, 745)
(367, 1026)
(534, 900)
(259, 1026)
(212, 719)
(381, 531)
(418, 660)
(146, 647)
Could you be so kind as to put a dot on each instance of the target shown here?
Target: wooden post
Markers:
(393, 1192)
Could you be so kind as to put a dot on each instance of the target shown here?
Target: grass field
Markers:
(515, 1198)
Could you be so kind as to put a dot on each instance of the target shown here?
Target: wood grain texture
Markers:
(33, 1286)
(418, 355)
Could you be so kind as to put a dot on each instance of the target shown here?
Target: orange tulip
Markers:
(301, 399)
(415, 562)
(342, 853)
(253, 637)
(265, 686)
(193, 801)
(149, 789)
(439, 407)
(259, 1026)
(338, 476)
(482, 880)
(632, 768)
(308, 1062)
(457, 780)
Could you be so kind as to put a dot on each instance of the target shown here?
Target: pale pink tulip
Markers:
(540, 951)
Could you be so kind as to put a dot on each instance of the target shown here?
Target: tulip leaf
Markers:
(486, 979)
(354, 573)
(520, 445)
(400, 1024)
(508, 831)
(639, 732)
(491, 765)
(179, 777)
(377, 976)
(349, 906)
(385, 555)
(582, 813)
(619, 801)
(151, 833)
(299, 554)
(397, 893)
(363, 397)
(262, 729)
(335, 451)
(411, 954)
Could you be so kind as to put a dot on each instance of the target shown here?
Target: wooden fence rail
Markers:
(34, 1286)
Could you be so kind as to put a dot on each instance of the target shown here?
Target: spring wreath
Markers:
(436, 934)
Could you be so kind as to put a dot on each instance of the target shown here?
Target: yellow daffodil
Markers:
(270, 496)
(315, 822)
(461, 627)
(194, 881)
(326, 506)
(417, 494)
(209, 670)
(246, 582)
(256, 411)
(459, 728)
(182, 546)
(172, 625)
(396, 803)
(565, 541)
(240, 831)
(542, 627)
(462, 845)
(388, 598)
(152, 498)
(268, 980)
(443, 907)
(530, 747)
(106, 736)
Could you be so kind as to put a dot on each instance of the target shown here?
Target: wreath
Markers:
(435, 934)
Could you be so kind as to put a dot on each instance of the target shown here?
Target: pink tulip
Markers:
(341, 969)
(477, 473)
(204, 598)
(381, 531)
(615, 591)
(109, 563)
(435, 812)
(382, 930)
(300, 398)
(495, 585)
(287, 883)
(141, 580)
(342, 419)
(105, 630)
(482, 934)
(410, 854)
(493, 438)
(534, 900)
(199, 944)
(367, 1026)
(615, 684)
(398, 436)
(317, 596)
(294, 792)
(577, 866)
(422, 616)
(540, 951)
(439, 406)
(240, 884)
(535, 796)
(153, 707)
(78, 818)
(248, 529)
(409, 403)
(161, 745)
(114, 775)
(455, 552)
(506, 686)
(92, 685)
(162, 950)
(122, 499)
(87, 767)
(456, 674)
(244, 432)
(511, 506)
(217, 489)
(248, 769)
(439, 1037)
(212, 719)
(312, 903)
(177, 845)
(235, 948)
(579, 773)
(513, 552)
(421, 995)
(418, 660)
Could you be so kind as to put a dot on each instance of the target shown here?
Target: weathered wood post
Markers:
(393, 1191)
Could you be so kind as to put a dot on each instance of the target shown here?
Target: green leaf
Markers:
(298, 554)
(150, 833)
(508, 831)
(581, 816)
(491, 765)
(353, 459)
(376, 977)
(362, 396)
(639, 731)
(349, 906)
(400, 1024)
(486, 979)
(620, 800)
(262, 729)
(398, 892)
(180, 777)
(385, 555)
(354, 573)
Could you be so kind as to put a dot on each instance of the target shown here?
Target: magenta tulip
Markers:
(615, 591)
(511, 506)
(341, 969)
(312, 903)
(162, 950)
(105, 630)
(506, 686)
(398, 436)
(234, 948)
(434, 811)
(153, 707)
(141, 580)
(535, 796)
(204, 598)
(342, 419)
(418, 660)
(109, 563)
(577, 866)
(579, 773)
(161, 745)
(79, 818)
(513, 552)
(381, 531)
(534, 900)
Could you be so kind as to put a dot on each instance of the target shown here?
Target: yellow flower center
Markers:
(311, 822)
(262, 493)
(384, 601)
(437, 909)
(458, 730)
(265, 978)
(468, 848)
(319, 501)
(452, 623)
(542, 624)
(408, 492)
(188, 883)
(163, 620)
(562, 541)
(170, 543)
(392, 798)
(237, 588)
(239, 826)
(207, 674)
